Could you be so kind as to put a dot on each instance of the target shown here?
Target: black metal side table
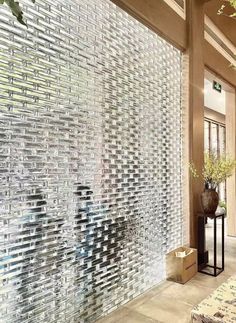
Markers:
(203, 258)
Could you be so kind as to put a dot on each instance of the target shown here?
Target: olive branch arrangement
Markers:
(16, 10)
(221, 11)
(215, 169)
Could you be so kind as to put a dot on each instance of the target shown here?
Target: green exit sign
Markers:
(217, 86)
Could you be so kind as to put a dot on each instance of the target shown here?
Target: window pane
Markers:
(214, 141)
(214, 138)
(206, 135)
(222, 139)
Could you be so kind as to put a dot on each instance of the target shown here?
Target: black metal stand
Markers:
(213, 270)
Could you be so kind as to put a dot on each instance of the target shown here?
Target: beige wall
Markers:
(231, 150)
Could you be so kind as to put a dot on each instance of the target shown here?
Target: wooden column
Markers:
(195, 25)
(157, 15)
(231, 150)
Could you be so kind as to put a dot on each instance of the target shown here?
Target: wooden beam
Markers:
(214, 115)
(219, 64)
(159, 17)
(231, 150)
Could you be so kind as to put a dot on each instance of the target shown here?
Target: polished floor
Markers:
(170, 302)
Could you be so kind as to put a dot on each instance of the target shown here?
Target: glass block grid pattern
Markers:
(90, 160)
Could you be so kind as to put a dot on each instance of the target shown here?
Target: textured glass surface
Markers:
(90, 160)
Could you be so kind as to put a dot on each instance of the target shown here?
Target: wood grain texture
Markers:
(218, 64)
(214, 115)
(158, 16)
(195, 24)
(225, 24)
(231, 150)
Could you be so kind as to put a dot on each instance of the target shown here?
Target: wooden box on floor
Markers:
(181, 269)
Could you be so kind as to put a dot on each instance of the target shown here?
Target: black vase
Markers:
(210, 201)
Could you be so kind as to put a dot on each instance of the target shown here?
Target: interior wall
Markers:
(91, 160)
(40, 39)
(231, 150)
(166, 22)
(225, 103)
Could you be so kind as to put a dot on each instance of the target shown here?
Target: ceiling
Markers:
(225, 24)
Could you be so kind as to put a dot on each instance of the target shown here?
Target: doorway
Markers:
(219, 138)
(214, 124)
(219, 133)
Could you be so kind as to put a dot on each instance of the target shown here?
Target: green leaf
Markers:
(16, 10)
(221, 11)
(233, 3)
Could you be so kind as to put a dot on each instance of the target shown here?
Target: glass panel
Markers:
(91, 160)
(222, 139)
(214, 137)
(215, 141)
(206, 136)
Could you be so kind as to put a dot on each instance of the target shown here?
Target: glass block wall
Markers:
(90, 160)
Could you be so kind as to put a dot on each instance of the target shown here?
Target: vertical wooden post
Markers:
(195, 25)
(231, 150)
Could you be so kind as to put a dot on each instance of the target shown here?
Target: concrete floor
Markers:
(170, 302)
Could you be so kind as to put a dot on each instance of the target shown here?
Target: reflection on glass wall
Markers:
(91, 160)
